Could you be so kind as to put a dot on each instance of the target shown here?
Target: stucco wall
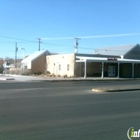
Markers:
(79, 69)
(94, 69)
(61, 64)
(39, 64)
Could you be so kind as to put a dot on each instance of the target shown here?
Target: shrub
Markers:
(65, 76)
(37, 73)
(48, 72)
(53, 75)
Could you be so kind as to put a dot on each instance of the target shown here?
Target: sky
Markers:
(24, 21)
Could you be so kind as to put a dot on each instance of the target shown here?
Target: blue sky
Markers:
(32, 19)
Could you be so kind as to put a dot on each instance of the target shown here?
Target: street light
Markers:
(23, 52)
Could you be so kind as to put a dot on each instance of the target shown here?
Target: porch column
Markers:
(118, 70)
(102, 70)
(132, 70)
(85, 71)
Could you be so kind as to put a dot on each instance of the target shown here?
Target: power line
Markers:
(18, 42)
(65, 46)
(53, 44)
(28, 41)
(17, 39)
(90, 37)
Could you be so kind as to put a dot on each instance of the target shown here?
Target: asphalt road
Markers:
(67, 111)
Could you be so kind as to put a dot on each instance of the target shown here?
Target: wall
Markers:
(1, 69)
(39, 64)
(126, 70)
(79, 69)
(93, 69)
(137, 70)
(58, 64)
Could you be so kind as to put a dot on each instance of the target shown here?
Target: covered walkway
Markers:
(109, 67)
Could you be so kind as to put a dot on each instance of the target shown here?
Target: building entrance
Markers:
(111, 71)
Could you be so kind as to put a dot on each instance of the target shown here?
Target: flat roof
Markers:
(101, 59)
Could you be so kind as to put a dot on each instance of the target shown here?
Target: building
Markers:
(61, 64)
(119, 61)
(1, 66)
(35, 62)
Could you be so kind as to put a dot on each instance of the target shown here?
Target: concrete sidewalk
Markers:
(19, 78)
(6, 77)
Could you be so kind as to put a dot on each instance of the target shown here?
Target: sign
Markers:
(112, 59)
(132, 134)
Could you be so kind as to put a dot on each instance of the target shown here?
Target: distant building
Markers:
(120, 61)
(1, 66)
(35, 62)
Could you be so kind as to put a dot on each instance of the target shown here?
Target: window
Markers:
(68, 67)
(59, 67)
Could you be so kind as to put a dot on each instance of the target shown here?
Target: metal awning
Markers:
(108, 60)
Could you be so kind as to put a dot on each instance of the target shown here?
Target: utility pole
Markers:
(76, 44)
(16, 49)
(39, 41)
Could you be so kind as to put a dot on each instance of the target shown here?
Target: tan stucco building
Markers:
(63, 64)
(120, 61)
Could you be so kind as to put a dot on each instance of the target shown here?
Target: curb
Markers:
(7, 79)
(68, 80)
(115, 90)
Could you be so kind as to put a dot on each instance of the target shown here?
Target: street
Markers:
(67, 111)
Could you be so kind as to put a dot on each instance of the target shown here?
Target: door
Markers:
(111, 71)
